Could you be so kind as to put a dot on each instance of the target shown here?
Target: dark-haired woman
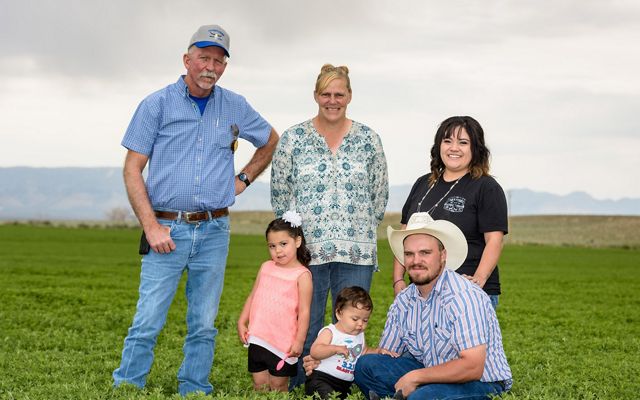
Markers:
(459, 189)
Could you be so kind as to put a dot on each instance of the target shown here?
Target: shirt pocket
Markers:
(411, 341)
(442, 335)
(223, 138)
(442, 343)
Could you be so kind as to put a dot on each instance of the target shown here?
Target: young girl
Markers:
(339, 345)
(275, 317)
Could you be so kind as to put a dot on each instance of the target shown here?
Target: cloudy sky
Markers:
(555, 84)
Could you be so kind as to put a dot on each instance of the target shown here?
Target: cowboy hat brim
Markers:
(448, 233)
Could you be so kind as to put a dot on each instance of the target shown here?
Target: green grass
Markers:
(570, 317)
(576, 230)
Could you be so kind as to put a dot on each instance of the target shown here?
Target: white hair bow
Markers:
(293, 218)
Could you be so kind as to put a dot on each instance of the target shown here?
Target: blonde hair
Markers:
(328, 73)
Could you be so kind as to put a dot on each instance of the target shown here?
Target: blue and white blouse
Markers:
(341, 197)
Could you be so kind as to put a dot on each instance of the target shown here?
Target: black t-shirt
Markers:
(476, 206)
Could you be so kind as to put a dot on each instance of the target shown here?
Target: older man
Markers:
(188, 133)
(443, 323)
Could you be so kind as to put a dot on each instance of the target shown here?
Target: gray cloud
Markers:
(552, 80)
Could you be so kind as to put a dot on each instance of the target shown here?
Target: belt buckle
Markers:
(188, 215)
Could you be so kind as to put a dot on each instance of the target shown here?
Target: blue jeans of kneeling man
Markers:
(494, 301)
(201, 250)
(380, 373)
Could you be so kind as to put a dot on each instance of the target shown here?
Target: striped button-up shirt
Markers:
(457, 315)
(190, 155)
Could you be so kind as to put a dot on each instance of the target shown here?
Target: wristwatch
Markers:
(244, 178)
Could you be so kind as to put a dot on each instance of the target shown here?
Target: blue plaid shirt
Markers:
(456, 316)
(190, 159)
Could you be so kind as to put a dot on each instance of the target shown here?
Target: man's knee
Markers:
(365, 365)
(201, 333)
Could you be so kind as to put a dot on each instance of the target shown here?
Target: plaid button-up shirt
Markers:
(190, 155)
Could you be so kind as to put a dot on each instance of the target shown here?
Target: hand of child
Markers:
(309, 363)
(341, 350)
(296, 350)
(243, 333)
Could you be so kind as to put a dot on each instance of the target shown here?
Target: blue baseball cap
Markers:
(211, 35)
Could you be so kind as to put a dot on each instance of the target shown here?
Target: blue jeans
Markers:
(494, 301)
(202, 250)
(333, 276)
(380, 373)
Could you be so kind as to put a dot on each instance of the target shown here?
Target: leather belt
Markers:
(195, 216)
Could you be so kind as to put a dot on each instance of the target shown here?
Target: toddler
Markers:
(275, 316)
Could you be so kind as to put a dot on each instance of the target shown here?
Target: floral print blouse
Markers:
(341, 197)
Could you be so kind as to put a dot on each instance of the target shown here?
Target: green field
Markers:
(570, 317)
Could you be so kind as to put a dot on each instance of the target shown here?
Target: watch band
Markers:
(244, 178)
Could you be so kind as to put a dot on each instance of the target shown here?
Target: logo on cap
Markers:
(217, 35)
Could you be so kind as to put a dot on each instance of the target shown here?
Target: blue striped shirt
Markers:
(190, 159)
(457, 315)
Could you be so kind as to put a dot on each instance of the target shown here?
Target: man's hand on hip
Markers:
(240, 186)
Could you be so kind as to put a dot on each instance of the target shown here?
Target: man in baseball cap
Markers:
(187, 133)
(444, 324)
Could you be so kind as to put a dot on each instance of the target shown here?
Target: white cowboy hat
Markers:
(448, 233)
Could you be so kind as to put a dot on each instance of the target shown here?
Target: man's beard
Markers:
(426, 279)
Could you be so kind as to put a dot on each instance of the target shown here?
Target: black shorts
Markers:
(325, 384)
(261, 359)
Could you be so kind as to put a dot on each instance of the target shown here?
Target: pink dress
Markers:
(273, 316)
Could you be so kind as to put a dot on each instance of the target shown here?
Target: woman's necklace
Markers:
(441, 198)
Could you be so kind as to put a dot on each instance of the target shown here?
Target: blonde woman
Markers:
(333, 171)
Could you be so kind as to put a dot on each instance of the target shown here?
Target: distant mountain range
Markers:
(98, 194)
